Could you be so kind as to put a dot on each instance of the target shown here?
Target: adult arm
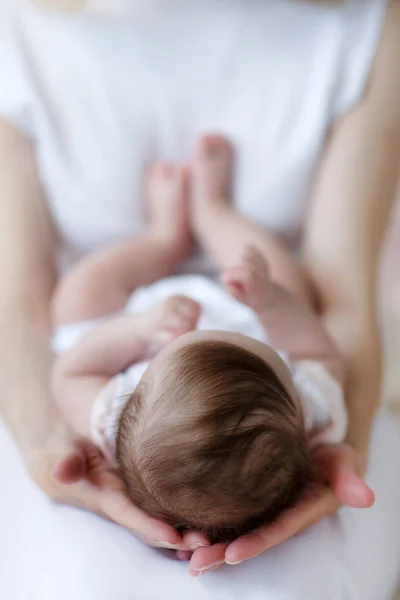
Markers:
(348, 216)
(28, 272)
(353, 199)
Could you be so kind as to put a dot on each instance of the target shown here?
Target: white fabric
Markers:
(107, 410)
(104, 97)
(323, 403)
(320, 394)
(50, 552)
(101, 99)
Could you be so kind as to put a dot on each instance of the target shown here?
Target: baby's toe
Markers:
(213, 146)
(166, 186)
(211, 169)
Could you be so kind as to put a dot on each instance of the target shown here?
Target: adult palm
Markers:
(338, 483)
(83, 478)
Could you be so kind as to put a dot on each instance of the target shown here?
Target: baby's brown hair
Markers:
(222, 448)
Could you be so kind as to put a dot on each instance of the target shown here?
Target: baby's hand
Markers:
(171, 318)
(249, 281)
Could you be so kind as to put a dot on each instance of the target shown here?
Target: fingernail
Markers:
(210, 567)
(197, 546)
(160, 544)
(170, 546)
(231, 562)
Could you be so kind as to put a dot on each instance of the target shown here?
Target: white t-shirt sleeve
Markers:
(322, 401)
(16, 97)
(361, 30)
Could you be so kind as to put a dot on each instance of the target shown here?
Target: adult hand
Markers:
(339, 484)
(74, 472)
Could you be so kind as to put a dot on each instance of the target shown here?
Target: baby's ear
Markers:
(70, 469)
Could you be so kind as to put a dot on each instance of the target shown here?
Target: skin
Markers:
(121, 339)
(345, 229)
(342, 241)
(81, 374)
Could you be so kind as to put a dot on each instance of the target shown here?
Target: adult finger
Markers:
(192, 540)
(339, 465)
(291, 521)
(70, 469)
(184, 555)
(115, 506)
(207, 559)
(352, 491)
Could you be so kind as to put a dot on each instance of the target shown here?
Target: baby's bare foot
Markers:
(168, 320)
(167, 201)
(249, 280)
(212, 170)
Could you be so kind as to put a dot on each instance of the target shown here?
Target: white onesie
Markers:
(320, 394)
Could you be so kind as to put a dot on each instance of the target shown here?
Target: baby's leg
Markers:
(101, 284)
(289, 323)
(223, 232)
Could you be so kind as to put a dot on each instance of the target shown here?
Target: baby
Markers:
(207, 397)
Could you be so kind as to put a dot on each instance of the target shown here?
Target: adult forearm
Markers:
(357, 337)
(25, 360)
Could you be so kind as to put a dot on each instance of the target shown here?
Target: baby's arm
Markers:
(80, 374)
(289, 323)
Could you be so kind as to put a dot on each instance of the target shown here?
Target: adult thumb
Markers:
(340, 469)
(70, 469)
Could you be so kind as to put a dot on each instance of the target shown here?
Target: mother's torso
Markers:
(103, 98)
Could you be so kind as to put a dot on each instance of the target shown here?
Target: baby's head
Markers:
(212, 440)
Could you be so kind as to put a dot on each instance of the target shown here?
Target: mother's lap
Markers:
(51, 552)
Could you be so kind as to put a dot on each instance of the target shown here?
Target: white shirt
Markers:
(103, 97)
